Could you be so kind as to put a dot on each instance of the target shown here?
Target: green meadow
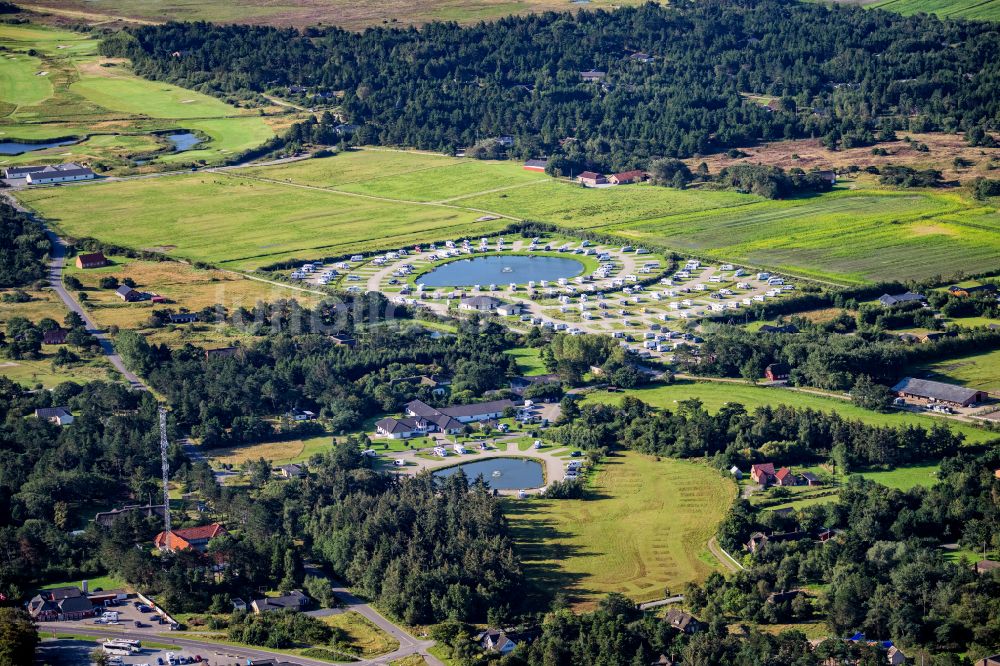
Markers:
(242, 223)
(398, 197)
(978, 371)
(981, 10)
(715, 394)
(641, 529)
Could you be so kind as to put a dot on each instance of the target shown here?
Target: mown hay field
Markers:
(642, 530)
(380, 200)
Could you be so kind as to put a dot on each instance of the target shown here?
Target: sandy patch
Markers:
(932, 230)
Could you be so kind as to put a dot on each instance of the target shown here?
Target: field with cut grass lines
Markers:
(642, 530)
(382, 199)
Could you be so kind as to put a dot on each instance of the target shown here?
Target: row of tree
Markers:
(838, 72)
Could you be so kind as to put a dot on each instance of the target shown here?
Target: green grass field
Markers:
(21, 82)
(643, 528)
(714, 395)
(243, 223)
(982, 10)
(383, 199)
(978, 371)
(102, 582)
(529, 363)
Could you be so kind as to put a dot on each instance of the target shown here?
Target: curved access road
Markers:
(57, 261)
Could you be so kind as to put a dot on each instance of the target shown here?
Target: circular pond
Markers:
(501, 270)
(502, 473)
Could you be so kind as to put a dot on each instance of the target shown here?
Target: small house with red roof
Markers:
(626, 177)
(762, 474)
(189, 538)
(784, 478)
(592, 178)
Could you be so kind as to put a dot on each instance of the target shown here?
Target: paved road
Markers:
(57, 261)
(408, 644)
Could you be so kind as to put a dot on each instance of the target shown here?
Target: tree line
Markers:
(839, 73)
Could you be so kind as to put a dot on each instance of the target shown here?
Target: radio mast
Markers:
(166, 469)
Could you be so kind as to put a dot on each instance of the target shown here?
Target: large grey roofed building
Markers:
(939, 391)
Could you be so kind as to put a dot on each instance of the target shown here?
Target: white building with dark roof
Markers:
(47, 174)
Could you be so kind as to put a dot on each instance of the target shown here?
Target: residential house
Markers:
(785, 478)
(56, 336)
(783, 596)
(407, 427)
(888, 300)
(297, 414)
(520, 384)
(950, 394)
(592, 178)
(183, 317)
(964, 292)
(480, 303)
(592, 76)
(91, 260)
(509, 309)
(787, 328)
(986, 566)
(344, 339)
(895, 656)
(762, 473)
(758, 539)
(682, 622)
(292, 471)
(626, 177)
(989, 661)
(294, 600)
(536, 165)
(130, 295)
(109, 518)
(189, 538)
(58, 415)
(777, 372)
(641, 57)
(494, 640)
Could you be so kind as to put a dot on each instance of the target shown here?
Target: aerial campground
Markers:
(510, 333)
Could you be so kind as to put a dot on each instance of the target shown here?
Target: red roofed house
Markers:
(189, 537)
(626, 177)
(92, 260)
(784, 477)
(592, 178)
(762, 474)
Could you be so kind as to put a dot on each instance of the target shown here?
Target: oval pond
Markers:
(501, 270)
(502, 473)
(183, 141)
(19, 148)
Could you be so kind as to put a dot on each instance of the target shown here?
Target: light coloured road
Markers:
(57, 261)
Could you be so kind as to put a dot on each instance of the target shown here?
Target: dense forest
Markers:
(48, 474)
(23, 244)
(884, 572)
(233, 399)
(779, 434)
(841, 73)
